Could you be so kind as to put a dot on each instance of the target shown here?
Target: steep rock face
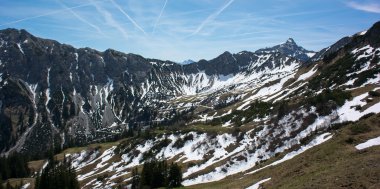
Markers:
(363, 38)
(67, 86)
(18, 111)
(331, 49)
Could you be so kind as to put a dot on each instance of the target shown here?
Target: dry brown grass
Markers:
(35, 166)
(361, 90)
(18, 182)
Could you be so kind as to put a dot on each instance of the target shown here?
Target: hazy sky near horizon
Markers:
(189, 29)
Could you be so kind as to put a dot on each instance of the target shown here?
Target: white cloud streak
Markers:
(159, 16)
(46, 14)
(110, 20)
(367, 7)
(129, 18)
(212, 17)
(82, 19)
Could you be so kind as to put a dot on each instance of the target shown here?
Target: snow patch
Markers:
(226, 124)
(368, 143)
(47, 93)
(19, 47)
(307, 74)
(348, 111)
(25, 186)
(310, 54)
(257, 185)
(363, 32)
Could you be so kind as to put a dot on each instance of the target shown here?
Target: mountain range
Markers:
(84, 93)
(218, 117)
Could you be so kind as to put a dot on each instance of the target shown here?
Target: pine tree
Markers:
(146, 174)
(157, 174)
(14, 166)
(135, 179)
(174, 176)
(38, 181)
(57, 175)
(1, 183)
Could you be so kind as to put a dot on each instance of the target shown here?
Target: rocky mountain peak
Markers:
(289, 48)
(226, 53)
(290, 41)
(372, 36)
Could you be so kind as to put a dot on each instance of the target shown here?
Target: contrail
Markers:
(129, 18)
(109, 19)
(367, 7)
(159, 16)
(81, 18)
(212, 17)
(47, 14)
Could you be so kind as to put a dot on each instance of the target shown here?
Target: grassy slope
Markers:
(333, 164)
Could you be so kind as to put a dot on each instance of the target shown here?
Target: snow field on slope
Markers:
(308, 74)
(348, 111)
(106, 155)
(203, 83)
(263, 140)
(317, 141)
(266, 91)
(196, 149)
(192, 150)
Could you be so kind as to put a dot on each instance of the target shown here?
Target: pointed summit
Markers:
(289, 48)
(290, 41)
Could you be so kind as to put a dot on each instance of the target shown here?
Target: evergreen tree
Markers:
(135, 179)
(174, 176)
(38, 181)
(146, 174)
(14, 166)
(57, 175)
(157, 174)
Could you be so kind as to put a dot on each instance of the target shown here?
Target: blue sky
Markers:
(189, 29)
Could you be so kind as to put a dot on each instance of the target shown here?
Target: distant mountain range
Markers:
(189, 61)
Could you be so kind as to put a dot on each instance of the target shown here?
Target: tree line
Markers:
(57, 175)
(13, 166)
(156, 174)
